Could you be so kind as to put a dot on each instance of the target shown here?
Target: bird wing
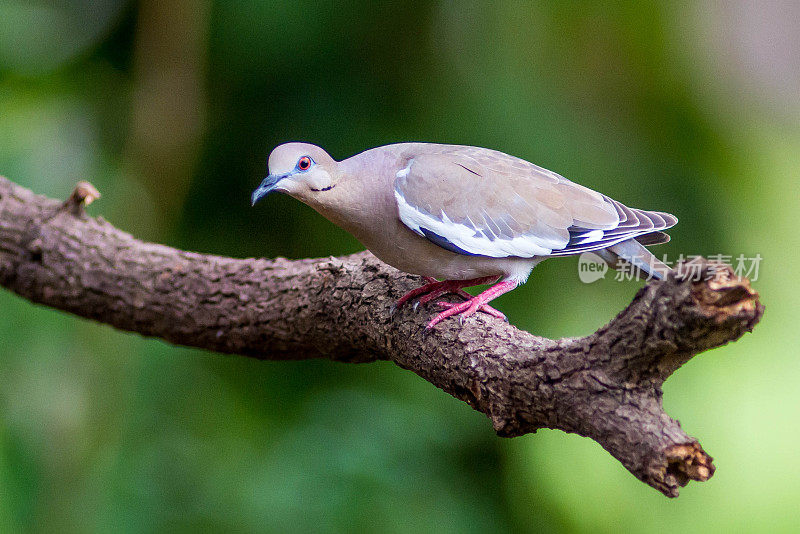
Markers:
(482, 202)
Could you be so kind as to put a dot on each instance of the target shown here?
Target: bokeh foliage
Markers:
(171, 108)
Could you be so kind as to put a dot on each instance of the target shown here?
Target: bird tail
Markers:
(631, 251)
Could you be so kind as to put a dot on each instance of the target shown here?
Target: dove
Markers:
(462, 216)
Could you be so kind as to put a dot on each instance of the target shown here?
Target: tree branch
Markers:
(606, 386)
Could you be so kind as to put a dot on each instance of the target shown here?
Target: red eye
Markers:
(304, 163)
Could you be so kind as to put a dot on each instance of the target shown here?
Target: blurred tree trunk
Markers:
(169, 101)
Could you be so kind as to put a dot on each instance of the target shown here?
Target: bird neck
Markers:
(359, 202)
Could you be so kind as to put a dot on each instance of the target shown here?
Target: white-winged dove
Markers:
(464, 215)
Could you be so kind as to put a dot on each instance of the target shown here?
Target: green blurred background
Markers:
(171, 108)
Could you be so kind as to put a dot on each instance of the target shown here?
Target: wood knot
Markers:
(83, 195)
(688, 461)
(679, 464)
(723, 295)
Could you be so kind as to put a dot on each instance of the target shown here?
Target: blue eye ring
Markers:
(304, 163)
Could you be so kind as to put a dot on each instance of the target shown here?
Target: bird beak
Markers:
(267, 186)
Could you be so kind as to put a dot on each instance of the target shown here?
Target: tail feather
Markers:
(634, 253)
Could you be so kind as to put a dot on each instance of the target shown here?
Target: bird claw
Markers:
(494, 312)
(469, 306)
(466, 311)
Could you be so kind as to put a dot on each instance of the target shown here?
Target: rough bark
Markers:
(606, 386)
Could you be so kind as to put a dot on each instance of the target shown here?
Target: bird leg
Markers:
(434, 289)
(476, 303)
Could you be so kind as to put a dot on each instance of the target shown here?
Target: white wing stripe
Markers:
(465, 237)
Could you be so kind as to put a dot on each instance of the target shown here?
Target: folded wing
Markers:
(483, 202)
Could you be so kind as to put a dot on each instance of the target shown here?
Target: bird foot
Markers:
(474, 304)
(466, 296)
(434, 289)
(462, 309)
(465, 309)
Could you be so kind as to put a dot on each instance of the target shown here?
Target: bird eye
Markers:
(304, 163)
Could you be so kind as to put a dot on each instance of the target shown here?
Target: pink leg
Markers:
(474, 304)
(440, 288)
(466, 296)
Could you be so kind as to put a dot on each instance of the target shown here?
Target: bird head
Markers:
(301, 170)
